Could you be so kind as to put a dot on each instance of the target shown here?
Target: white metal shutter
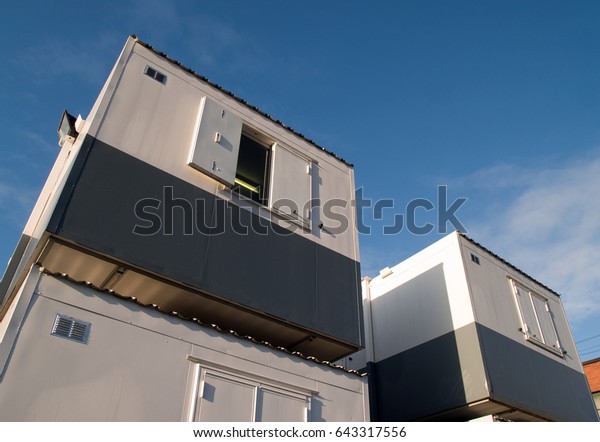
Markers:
(226, 399)
(291, 185)
(279, 406)
(530, 323)
(545, 320)
(216, 143)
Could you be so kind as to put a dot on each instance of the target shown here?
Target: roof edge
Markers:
(208, 326)
(240, 100)
(472, 241)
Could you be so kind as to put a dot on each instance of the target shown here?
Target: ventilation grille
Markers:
(70, 328)
(153, 73)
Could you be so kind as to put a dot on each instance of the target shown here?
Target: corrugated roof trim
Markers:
(240, 100)
(211, 326)
(507, 263)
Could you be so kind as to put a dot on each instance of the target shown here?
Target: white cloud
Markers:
(35, 141)
(15, 201)
(162, 13)
(209, 41)
(223, 45)
(546, 221)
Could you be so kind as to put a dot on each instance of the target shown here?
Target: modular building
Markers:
(181, 263)
(457, 333)
(192, 258)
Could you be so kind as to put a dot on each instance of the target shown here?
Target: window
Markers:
(536, 318)
(251, 163)
(153, 73)
(251, 176)
(475, 259)
(221, 396)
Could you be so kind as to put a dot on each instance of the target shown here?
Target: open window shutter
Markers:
(546, 323)
(291, 185)
(216, 143)
(530, 323)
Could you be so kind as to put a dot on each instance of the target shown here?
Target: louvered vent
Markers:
(71, 328)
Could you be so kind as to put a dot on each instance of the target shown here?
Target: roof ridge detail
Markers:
(472, 241)
(240, 100)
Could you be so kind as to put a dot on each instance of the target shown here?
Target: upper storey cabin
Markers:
(179, 194)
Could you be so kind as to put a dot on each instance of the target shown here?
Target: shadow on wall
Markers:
(420, 373)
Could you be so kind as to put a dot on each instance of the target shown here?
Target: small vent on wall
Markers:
(153, 73)
(475, 259)
(70, 328)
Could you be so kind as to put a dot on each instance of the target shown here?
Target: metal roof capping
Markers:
(231, 94)
(508, 263)
(211, 326)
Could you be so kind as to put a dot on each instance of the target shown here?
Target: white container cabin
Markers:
(457, 333)
(178, 265)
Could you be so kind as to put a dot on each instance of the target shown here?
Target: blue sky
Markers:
(497, 100)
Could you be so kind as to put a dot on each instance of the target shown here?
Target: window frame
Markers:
(267, 145)
(216, 150)
(199, 371)
(274, 150)
(532, 313)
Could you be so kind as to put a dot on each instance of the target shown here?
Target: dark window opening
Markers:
(153, 73)
(251, 178)
(475, 258)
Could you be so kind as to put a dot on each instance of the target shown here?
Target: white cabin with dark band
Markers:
(187, 250)
(457, 333)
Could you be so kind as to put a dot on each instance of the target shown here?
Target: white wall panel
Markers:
(277, 406)
(291, 184)
(423, 298)
(136, 367)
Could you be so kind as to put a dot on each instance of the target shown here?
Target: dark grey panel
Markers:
(371, 371)
(227, 252)
(67, 192)
(255, 263)
(11, 269)
(100, 212)
(429, 379)
(434, 380)
(523, 377)
(338, 294)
